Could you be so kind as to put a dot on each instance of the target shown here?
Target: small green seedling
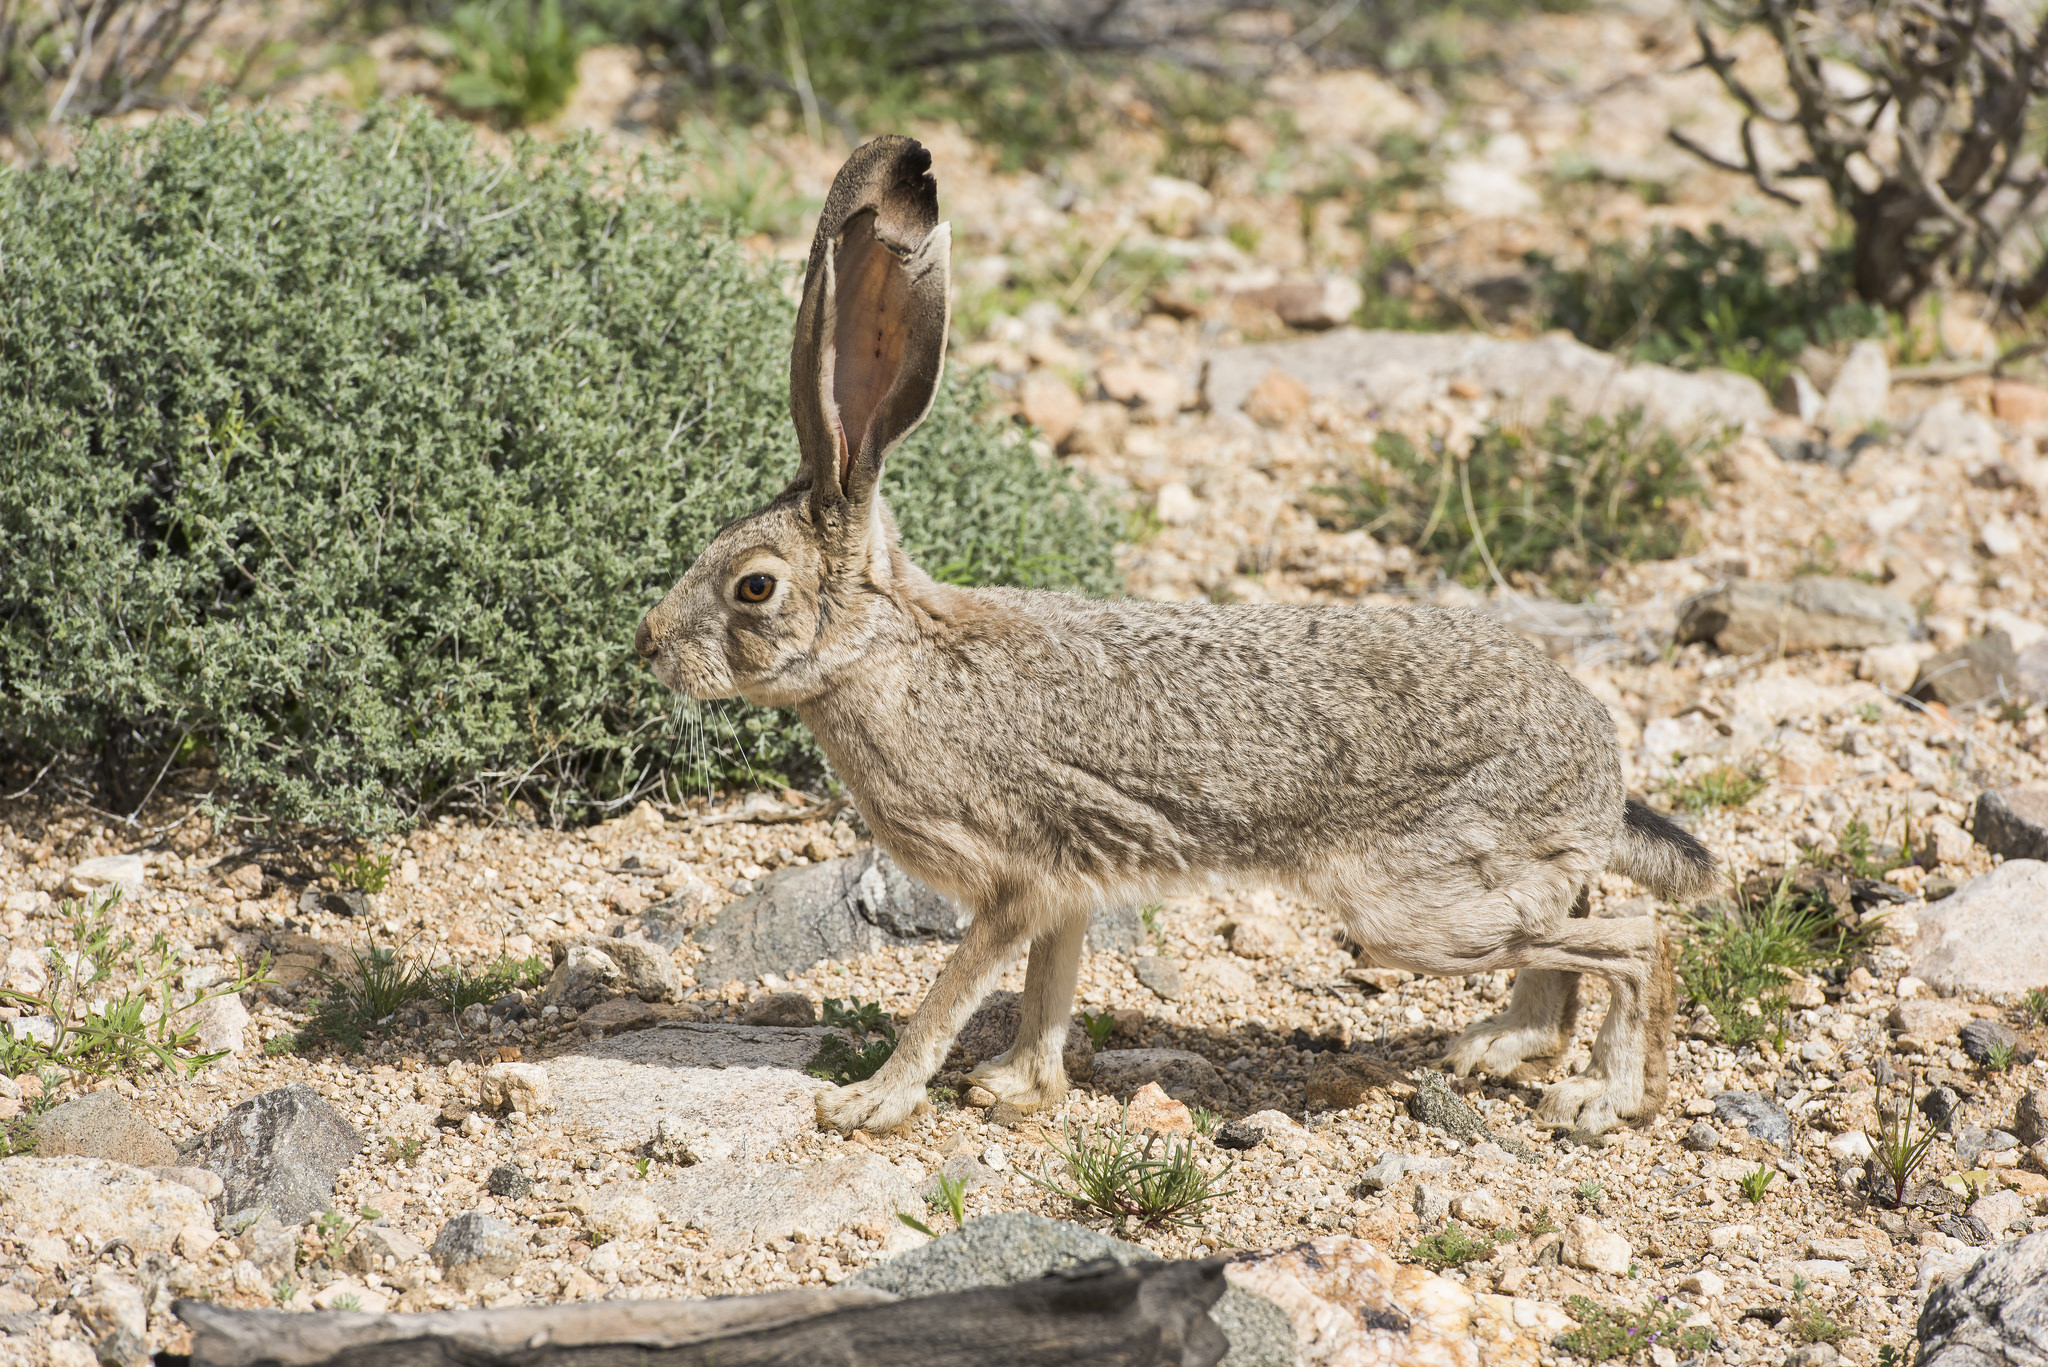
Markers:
(1756, 1183)
(953, 1193)
(1100, 1025)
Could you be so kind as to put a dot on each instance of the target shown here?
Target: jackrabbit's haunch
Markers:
(1438, 782)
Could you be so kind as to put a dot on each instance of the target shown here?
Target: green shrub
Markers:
(347, 461)
(1567, 498)
(514, 59)
(1719, 300)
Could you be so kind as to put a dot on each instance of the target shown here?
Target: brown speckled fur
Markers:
(1424, 772)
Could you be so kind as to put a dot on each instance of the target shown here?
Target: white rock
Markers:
(1282, 1132)
(1262, 937)
(1861, 393)
(123, 871)
(2000, 1210)
(1853, 1252)
(27, 971)
(62, 1197)
(739, 1205)
(1948, 429)
(615, 1214)
(2000, 537)
(114, 1310)
(1985, 939)
(1894, 666)
(1721, 1238)
(1589, 1245)
(1481, 1208)
(223, 1024)
(1824, 1270)
(1486, 189)
(1705, 1282)
(686, 1144)
(1850, 1146)
(1177, 505)
(342, 1294)
(520, 1087)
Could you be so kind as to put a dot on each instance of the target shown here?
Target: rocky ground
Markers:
(627, 1112)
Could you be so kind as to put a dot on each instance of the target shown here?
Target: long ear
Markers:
(871, 331)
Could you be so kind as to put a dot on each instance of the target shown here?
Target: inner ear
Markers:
(870, 331)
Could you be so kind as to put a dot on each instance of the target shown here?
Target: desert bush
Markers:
(63, 61)
(1923, 121)
(346, 461)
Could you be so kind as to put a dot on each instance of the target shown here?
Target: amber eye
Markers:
(756, 588)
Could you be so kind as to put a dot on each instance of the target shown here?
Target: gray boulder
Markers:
(474, 1248)
(738, 1205)
(648, 969)
(997, 1250)
(1764, 1118)
(279, 1152)
(804, 914)
(2012, 822)
(1993, 1315)
(1983, 670)
(1744, 616)
(103, 1125)
(1989, 938)
(1160, 974)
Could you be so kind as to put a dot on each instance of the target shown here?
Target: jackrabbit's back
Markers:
(1107, 740)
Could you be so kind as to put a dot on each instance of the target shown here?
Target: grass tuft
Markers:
(1896, 1150)
(1131, 1180)
(1737, 965)
(1726, 786)
(1453, 1246)
(1606, 1335)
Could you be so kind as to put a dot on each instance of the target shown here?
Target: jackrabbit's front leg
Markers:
(888, 1098)
(1029, 1074)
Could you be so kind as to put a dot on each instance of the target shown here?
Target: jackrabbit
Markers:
(1439, 783)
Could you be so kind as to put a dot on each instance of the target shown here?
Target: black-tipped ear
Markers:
(871, 331)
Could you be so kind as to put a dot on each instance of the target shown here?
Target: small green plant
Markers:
(640, 1167)
(380, 982)
(920, 1226)
(1888, 1356)
(841, 1063)
(1858, 850)
(1153, 915)
(1606, 1335)
(1723, 786)
(1591, 1192)
(1998, 1058)
(1568, 498)
(515, 60)
(1453, 1246)
(332, 1231)
(401, 1152)
(1116, 1174)
(1809, 1322)
(1100, 1026)
(364, 872)
(461, 990)
(1869, 712)
(102, 1029)
(1737, 964)
(1541, 1223)
(1205, 1120)
(1896, 1151)
(1756, 1183)
(943, 1096)
(282, 1043)
(953, 1195)
(2036, 1004)
(285, 1289)
(347, 1300)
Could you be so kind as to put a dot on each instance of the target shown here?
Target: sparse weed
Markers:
(1998, 1058)
(1590, 1192)
(841, 1063)
(1858, 850)
(516, 60)
(1811, 1323)
(106, 1032)
(1568, 498)
(1453, 1246)
(1736, 965)
(1896, 1152)
(1724, 786)
(1541, 1223)
(285, 1289)
(347, 1300)
(1756, 1183)
(333, 1230)
(363, 872)
(460, 989)
(1205, 1120)
(401, 1153)
(380, 982)
(1100, 1026)
(2036, 1004)
(1870, 713)
(1118, 1175)
(1153, 915)
(1607, 1335)
(953, 1195)
(282, 1043)
(920, 1226)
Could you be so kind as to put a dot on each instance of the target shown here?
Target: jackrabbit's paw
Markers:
(1020, 1083)
(872, 1105)
(1586, 1102)
(1498, 1047)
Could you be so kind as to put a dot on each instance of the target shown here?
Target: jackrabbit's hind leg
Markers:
(889, 1098)
(1537, 1024)
(1029, 1074)
(1626, 1078)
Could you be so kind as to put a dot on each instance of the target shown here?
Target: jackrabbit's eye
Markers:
(756, 588)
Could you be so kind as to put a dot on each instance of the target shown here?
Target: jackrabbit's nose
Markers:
(643, 641)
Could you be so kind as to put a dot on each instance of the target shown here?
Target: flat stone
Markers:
(280, 1151)
(996, 1250)
(1861, 391)
(2012, 823)
(1983, 670)
(376, 1243)
(738, 1205)
(125, 872)
(585, 976)
(804, 914)
(2000, 1210)
(207, 1184)
(1591, 1245)
(1932, 1019)
(1744, 616)
(1114, 930)
(746, 1083)
(57, 1198)
(1762, 1117)
(1980, 1037)
(2030, 1116)
(1337, 1082)
(780, 1008)
(522, 1087)
(1990, 939)
(1404, 371)
(473, 1248)
(1350, 1303)
(1702, 1137)
(1151, 1111)
(1262, 937)
(1276, 1128)
(649, 969)
(509, 1182)
(1994, 1313)
(1436, 1105)
(1160, 974)
(1824, 1271)
(103, 1124)
(1181, 1074)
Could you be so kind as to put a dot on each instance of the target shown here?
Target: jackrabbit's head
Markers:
(782, 595)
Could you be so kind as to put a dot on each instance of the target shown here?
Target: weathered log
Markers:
(1152, 1314)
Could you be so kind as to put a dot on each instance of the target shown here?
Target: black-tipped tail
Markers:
(1660, 854)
